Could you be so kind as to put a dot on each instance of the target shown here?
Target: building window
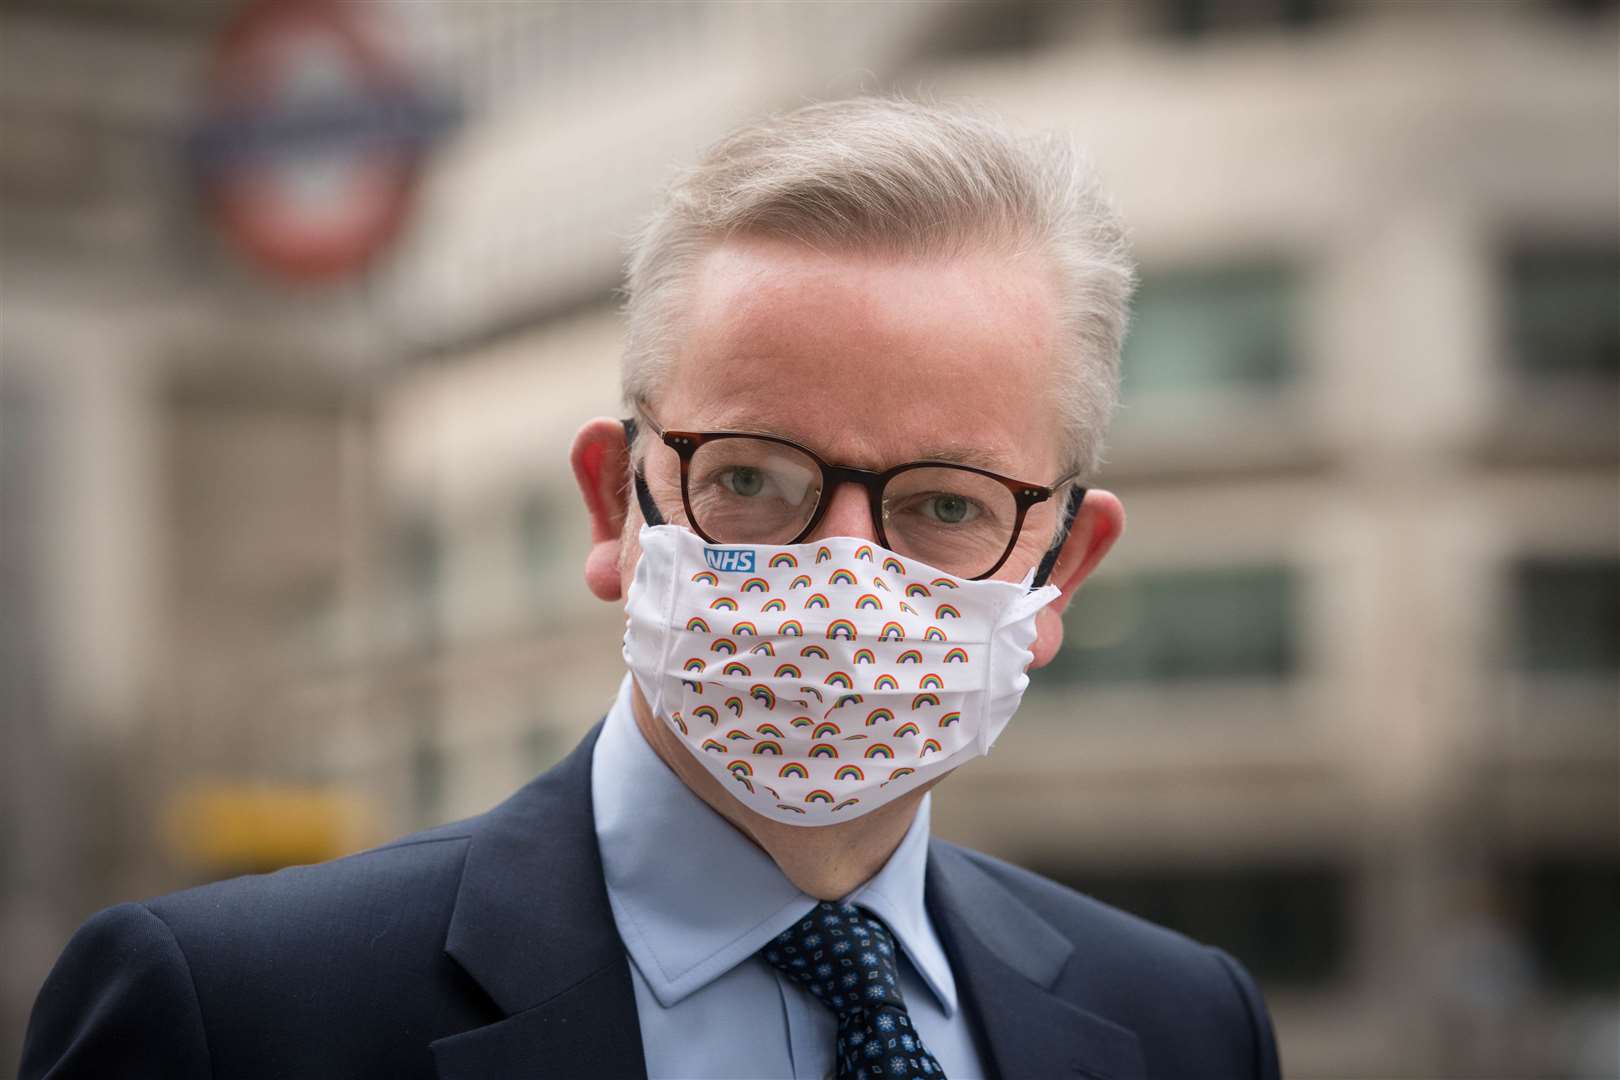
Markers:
(1215, 329)
(1566, 615)
(1181, 625)
(1569, 907)
(1288, 924)
(1563, 318)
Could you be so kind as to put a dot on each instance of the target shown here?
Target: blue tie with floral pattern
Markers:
(846, 958)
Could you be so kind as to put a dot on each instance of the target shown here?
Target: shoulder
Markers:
(267, 974)
(1178, 995)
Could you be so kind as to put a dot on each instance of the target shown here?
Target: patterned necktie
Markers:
(846, 958)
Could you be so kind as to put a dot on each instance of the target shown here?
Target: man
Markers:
(873, 347)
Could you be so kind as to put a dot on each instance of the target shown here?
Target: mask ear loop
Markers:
(644, 499)
(1044, 570)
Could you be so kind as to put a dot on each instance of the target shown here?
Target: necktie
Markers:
(846, 958)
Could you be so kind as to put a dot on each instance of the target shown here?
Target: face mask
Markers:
(819, 681)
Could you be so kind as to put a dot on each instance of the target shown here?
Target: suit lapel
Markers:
(533, 928)
(1011, 962)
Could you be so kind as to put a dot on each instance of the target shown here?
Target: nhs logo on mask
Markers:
(738, 559)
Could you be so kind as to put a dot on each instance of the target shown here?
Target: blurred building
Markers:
(290, 569)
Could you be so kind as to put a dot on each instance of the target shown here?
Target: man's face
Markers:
(870, 361)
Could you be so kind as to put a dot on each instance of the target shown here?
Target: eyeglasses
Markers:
(741, 487)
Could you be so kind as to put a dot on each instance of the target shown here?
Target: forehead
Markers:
(873, 359)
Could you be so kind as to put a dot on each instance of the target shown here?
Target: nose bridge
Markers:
(849, 511)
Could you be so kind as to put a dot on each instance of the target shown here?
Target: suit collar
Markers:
(1009, 963)
(532, 927)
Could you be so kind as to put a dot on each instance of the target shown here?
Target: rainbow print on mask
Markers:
(845, 620)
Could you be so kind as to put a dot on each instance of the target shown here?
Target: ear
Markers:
(1099, 523)
(601, 461)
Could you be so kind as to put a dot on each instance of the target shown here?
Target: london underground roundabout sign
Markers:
(312, 138)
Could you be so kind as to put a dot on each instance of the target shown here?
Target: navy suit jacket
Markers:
(486, 949)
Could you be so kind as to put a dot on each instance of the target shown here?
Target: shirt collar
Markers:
(694, 898)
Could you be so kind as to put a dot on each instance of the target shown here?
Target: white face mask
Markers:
(819, 681)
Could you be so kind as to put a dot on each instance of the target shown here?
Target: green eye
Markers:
(745, 481)
(950, 509)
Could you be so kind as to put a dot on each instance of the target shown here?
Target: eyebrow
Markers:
(954, 455)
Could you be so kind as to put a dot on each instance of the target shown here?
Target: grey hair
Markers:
(893, 175)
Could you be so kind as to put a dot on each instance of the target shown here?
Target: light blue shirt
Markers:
(695, 901)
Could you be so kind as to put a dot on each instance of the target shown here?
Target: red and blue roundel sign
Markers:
(309, 148)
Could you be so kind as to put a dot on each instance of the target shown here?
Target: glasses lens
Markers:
(953, 519)
(752, 491)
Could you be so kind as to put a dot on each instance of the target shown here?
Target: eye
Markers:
(950, 509)
(744, 481)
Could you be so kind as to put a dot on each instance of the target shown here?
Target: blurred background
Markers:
(303, 301)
